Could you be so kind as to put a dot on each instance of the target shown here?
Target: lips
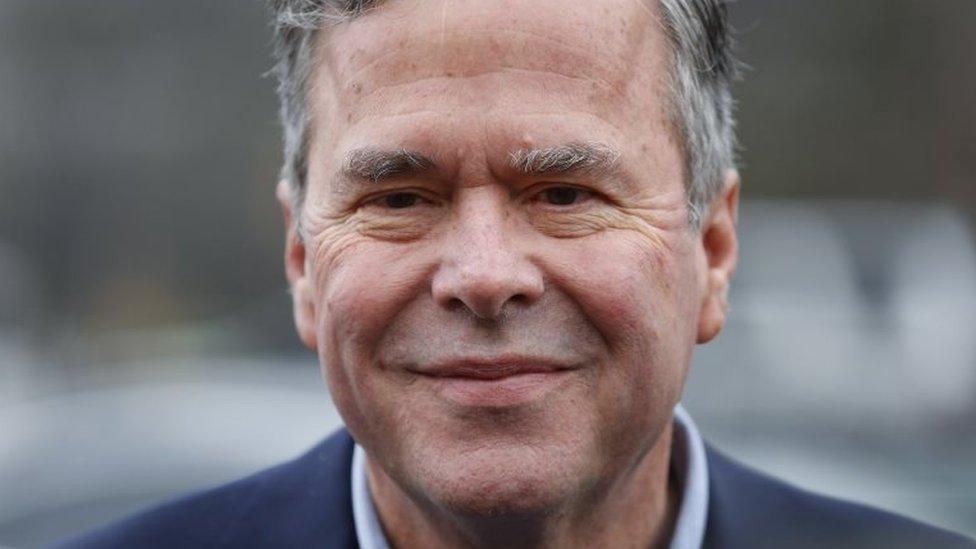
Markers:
(502, 381)
(492, 368)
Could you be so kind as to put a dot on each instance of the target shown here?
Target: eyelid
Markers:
(534, 192)
(375, 198)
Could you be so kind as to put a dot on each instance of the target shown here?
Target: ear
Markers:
(721, 247)
(295, 269)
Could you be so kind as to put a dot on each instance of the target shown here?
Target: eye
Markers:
(563, 196)
(398, 200)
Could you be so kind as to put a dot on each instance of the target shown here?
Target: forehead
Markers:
(416, 38)
(511, 66)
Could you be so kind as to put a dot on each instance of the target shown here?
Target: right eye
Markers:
(563, 195)
(398, 200)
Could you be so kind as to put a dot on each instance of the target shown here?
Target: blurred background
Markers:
(146, 341)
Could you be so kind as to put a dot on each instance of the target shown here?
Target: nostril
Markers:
(486, 287)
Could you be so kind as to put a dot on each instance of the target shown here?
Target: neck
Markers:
(637, 509)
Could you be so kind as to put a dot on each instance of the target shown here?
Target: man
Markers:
(508, 224)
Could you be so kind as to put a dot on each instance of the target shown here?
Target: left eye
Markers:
(563, 196)
(400, 200)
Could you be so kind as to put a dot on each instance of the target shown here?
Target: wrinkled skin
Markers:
(476, 259)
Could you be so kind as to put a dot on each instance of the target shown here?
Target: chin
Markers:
(502, 481)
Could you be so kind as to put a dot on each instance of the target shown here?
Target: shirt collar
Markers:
(368, 528)
(687, 463)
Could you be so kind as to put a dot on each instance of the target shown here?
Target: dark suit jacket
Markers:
(306, 503)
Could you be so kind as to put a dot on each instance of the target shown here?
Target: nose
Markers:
(482, 267)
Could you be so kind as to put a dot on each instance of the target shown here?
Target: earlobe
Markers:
(721, 246)
(714, 308)
(303, 303)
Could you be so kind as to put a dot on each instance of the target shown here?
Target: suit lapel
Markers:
(307, 503)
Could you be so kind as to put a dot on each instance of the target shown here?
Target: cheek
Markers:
(360, 283)
(633, 268)
(639, 293)
(361, 287)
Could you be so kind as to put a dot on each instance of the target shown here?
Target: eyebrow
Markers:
(375, 165)
(571, 157)
(378, 165)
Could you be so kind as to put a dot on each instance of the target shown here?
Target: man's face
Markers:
(497, 269)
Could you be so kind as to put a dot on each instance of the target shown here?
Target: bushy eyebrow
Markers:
(562, 159)
(377, 164)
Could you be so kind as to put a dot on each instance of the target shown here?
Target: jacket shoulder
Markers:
(750, 509)
(300, 503)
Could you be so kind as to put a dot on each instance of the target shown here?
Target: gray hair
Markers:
(701, 105)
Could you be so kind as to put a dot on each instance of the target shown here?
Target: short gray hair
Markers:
(703, 69)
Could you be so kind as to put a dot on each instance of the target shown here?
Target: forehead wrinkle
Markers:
(371, 42)
(451, 60)
(625, 84)
(363, 109)
(620, 61)
(399, 103)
